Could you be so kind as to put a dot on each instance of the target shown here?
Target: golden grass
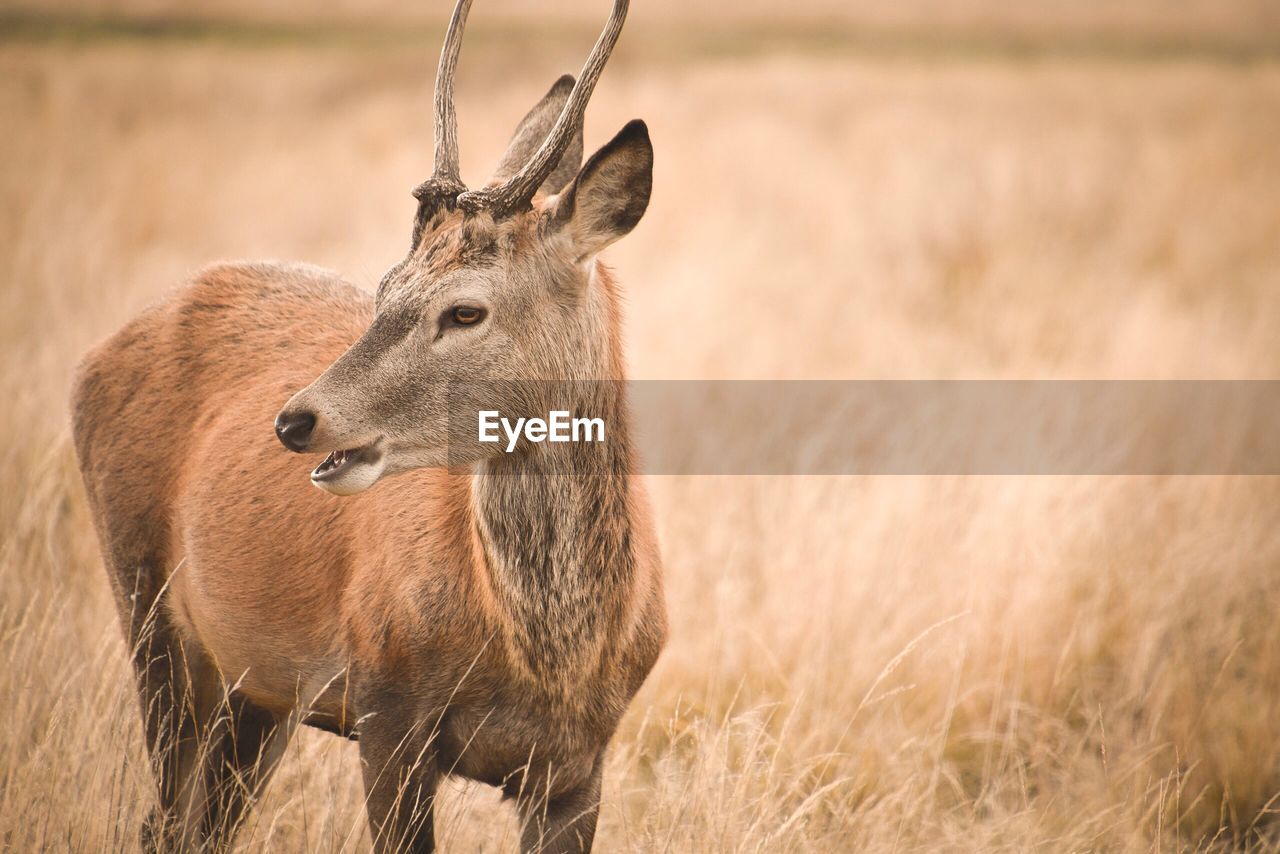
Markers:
(856, 664)
(1243, 21)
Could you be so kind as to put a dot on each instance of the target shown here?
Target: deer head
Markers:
(500, 286)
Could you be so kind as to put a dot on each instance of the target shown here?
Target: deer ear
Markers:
(610, 194)
(531, 132)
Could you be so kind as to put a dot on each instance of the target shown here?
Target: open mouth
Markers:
(338, 465)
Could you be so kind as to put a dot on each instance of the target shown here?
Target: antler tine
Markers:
(447, 179)
(515, 195)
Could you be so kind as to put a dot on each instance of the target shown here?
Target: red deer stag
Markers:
(485, 614)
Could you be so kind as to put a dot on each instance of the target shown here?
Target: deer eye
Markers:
(466, 315)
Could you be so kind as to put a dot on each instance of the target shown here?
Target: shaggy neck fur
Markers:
(555, 524)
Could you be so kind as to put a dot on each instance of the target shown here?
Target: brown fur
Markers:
(493, 623)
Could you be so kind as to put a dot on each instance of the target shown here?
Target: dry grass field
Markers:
(896, 663)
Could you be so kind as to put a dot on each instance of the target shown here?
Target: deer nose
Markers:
(294, 429)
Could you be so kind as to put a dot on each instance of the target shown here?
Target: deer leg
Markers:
(401, 775)
(209, 753)
(170, 678)
(565, 823)
(244, 750)
(174, 711)
(170, 722)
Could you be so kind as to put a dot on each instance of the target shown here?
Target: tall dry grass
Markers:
(856, 664)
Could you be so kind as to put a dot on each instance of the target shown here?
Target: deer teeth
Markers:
(338, 460)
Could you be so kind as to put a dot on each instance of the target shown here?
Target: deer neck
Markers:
(555, 524)
(555, 519)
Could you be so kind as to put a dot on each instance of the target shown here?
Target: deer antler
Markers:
(515, 195)
(446, 182)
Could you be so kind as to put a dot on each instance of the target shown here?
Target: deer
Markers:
(457, 610)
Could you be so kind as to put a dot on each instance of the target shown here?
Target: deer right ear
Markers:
(533, 129)
(610, 194)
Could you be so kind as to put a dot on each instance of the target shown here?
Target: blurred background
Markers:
(844, 189)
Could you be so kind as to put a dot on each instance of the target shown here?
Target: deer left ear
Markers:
(610, 194)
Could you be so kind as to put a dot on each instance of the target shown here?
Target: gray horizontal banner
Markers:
(927, 427)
